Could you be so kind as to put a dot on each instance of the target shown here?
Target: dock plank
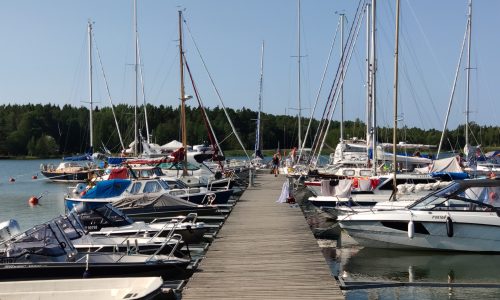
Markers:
(265, 250)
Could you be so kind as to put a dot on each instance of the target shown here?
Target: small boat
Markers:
(147, 208)
(464, 216)
(108, 220)
(369, 191)
(69, 171)
(133, 288)
(112, 190)
(46, 249)
(143, 244)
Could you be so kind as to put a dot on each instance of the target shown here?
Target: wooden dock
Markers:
(265, 250)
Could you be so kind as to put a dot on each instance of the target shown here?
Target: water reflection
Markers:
(418, 266)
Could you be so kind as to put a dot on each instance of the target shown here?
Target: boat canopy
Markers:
(138, 201)
(107, 188)
(118, 173)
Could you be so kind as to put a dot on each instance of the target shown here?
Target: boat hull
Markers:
(221, 197)
(67, 177)
(27, 271)
(430, 231)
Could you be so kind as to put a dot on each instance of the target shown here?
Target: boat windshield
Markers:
(112, 215)
(458, 197)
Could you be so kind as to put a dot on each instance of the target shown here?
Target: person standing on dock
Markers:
(276, 164)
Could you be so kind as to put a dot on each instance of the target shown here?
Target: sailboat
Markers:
(77, 168)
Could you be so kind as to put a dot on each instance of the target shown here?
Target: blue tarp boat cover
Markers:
(107, 188)
(78, 157)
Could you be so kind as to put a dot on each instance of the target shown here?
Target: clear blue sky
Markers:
(44, 55)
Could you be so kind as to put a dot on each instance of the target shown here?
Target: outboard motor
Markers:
(80, 208)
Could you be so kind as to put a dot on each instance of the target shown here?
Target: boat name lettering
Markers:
(23, 266)
(439, 217)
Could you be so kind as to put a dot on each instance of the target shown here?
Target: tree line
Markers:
(51, 130)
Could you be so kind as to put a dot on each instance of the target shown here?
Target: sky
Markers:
(44, 55)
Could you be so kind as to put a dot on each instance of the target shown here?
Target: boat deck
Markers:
(265, 250)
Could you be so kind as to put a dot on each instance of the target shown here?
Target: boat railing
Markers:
(172, 252)
(191, 217)
(208, 199)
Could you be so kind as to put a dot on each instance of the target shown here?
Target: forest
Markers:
(51, 130)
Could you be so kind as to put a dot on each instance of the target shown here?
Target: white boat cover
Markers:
(173, 145)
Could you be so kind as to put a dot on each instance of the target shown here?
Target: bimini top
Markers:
(107, 188)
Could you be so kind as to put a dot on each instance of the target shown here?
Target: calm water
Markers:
(355, 263)
(14, 196)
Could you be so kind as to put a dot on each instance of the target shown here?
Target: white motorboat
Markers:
(368, 191)
(464, 216)
(87, 288)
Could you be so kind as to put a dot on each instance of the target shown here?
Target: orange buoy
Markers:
(33, 201)
(11, 179)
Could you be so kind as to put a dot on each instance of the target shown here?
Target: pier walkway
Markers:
(265, 250)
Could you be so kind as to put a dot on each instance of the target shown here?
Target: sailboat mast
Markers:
(394, 135)
(342, 76)
(258, 137)
(298, 75)
(368, 81)
(136, 79)
(91, 124)
(143, 96)
(183, 97)
(374, 87)
(467, 93)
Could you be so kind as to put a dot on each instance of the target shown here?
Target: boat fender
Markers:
(449, 227)
(79, 188)
(411, 229)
